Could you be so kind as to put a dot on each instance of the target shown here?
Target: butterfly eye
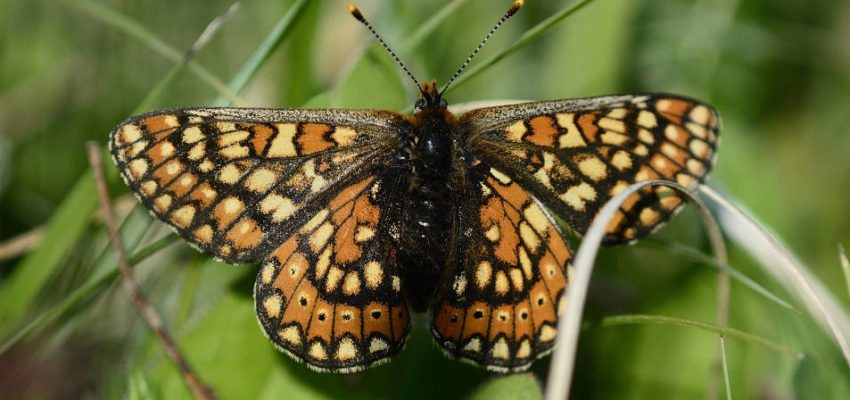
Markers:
(420, 104)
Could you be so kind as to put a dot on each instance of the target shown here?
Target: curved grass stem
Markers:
(569, 323)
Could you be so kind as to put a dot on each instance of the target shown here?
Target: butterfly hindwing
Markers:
(574, 155)
(330, 295)
(231, 181)
(498, 306)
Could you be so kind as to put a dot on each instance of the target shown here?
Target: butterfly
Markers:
(358, 217)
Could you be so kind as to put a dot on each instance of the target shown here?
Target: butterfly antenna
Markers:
(517, 4)
(356, 14)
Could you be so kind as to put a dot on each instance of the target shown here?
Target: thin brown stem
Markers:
(198, 388)
(21, 243)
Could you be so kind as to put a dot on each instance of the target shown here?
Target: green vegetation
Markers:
(777, 70)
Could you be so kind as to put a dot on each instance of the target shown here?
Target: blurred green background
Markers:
(778, 71)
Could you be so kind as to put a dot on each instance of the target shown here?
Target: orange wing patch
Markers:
(230, 180)
(329, 295)
(576, 154)
(501, 310)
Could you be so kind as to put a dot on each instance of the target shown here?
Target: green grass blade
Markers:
(139, 32)
(97, 283)
(845, 266)
(151, 98)
(511, 387)
(417, 37)
(694, 254)
(527, 37)
(65, 227)
(261, 54)
(725, 331)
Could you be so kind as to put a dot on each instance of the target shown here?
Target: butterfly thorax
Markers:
(427, 206)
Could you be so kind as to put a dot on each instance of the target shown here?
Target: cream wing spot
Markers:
(374, 274)
(278, 206)
(593, 168)
(516, 131)
(320, 237)
(621, 160)
(529, 237)
(351, 286)
(282, 145)
(577, 195)
(234, 152)
(317, 351)
(572, 138)
(183, 216)
(343, 136)
(203, 234)
(267, 273)
(700, 114)
(206, 166)
(230, 174)
(504, 179)
(473, 346)
(501, 350)
(162, 203)
(149, 187)
(547, 333)
(334, 276)
(324, 262)
(363, 234)
(232, 137)
(516, 279)
(525, 262)
(291, 334)
(699, 148)
(459, 285)
(502, 286)
(129, 133)
(483, 273)
(647, 119)
(192, 134)
(346, 350)
(232, 205)
(261, 180)
(493, 233)
(536, 218)
(272, 305)
(197, 151)
(377, 345)
(524, 350)
(138, 168)
(612, 124)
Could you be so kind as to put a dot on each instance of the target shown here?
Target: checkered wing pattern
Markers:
(233, 181)
(574, 155)
(330, 295)
(499, 307)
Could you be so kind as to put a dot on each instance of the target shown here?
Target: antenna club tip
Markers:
(353, 10)
(516, 6)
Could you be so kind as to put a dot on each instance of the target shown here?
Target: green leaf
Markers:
(373, 82)
(512, 387)
(65, 227)
(258, 58)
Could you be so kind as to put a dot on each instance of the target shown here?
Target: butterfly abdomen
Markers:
(426, 207)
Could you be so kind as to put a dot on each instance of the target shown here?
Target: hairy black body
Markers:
(427, 206)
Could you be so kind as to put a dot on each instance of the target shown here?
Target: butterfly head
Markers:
(430, 98)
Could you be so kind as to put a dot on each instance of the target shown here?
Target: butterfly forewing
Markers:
(574, 155)
(498, 307)
(232, 181)
(330, 295)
